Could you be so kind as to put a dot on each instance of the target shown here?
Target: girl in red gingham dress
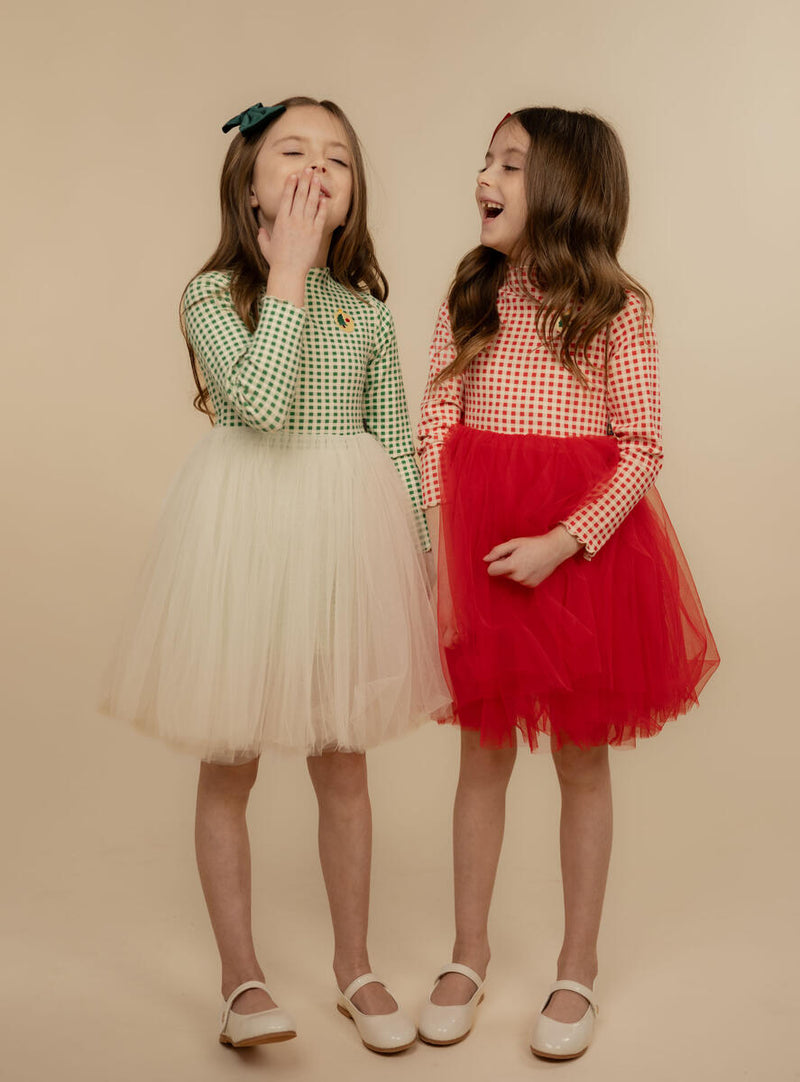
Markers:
(565, 604)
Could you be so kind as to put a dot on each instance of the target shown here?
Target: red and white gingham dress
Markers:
(614, 642)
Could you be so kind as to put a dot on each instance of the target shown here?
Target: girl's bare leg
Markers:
(345, 851)
(223, 860)
(478, 826)
(586, 828)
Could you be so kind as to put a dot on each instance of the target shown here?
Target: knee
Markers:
(229, 781)
(485, 766)
(581, 767)
(338, 776)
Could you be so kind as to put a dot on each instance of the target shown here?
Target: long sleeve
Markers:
(442, 407)
(386, 415)
(634, 413)
(256, 373)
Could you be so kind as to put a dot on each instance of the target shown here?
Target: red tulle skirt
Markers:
(605, 650)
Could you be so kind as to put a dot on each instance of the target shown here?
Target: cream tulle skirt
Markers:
(283, 602)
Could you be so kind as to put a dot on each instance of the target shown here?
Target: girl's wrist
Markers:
(287, 284)
(569, 545)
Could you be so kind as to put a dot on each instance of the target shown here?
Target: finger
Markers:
(322, 209)
(501, 550)
(287, 195)
(314, 197)
(301, 195)
(501, 567)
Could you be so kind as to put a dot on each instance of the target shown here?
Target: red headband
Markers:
(499, 126)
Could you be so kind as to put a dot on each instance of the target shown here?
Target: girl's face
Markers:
(304, 136)
(500, 192)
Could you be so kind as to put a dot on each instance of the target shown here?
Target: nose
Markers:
(318, 167)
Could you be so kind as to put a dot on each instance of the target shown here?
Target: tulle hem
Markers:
(213, 752)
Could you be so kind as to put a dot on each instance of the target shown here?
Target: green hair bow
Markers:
(254, 118)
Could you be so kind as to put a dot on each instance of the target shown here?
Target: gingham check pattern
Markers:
(302, 370)
(517, 387)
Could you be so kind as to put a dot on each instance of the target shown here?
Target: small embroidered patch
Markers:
(345, 321)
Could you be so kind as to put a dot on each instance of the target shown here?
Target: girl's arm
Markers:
(634, 411)
(256, 373)
(386, 414)
(442, 407)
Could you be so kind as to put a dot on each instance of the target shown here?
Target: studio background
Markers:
(112, 152)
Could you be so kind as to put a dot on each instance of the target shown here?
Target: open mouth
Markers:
(324, 191)
(491, 210)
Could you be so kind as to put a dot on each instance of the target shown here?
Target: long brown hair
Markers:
(577, 193)
(351, 257)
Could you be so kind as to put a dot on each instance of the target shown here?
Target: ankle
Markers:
(577, 967)
(233, 978)
(347, 968)
(473, 953)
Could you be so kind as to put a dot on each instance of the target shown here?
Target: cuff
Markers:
(590, 544)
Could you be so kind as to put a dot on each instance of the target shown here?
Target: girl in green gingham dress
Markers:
(284, 601)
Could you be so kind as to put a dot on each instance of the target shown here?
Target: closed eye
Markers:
(338, 161)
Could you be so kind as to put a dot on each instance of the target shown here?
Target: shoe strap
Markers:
(465, 971)
(359, 982)
(574, 986)
(237, 992)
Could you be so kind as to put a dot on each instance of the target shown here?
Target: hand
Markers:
(445, 610)
(292, 244)
(529, 560)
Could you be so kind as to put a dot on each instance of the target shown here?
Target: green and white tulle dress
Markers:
(284, 599)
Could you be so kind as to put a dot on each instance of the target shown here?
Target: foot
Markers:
(454, 989)
(565, 1006)
(250, 1002)
(372, 998)
(241, 1029)
(558, 1033)
(381, 1025)
(450, 1022)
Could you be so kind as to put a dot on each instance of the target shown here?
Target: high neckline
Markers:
(518, 280)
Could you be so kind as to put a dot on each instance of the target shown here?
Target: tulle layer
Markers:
(284, 601)
(602, 652)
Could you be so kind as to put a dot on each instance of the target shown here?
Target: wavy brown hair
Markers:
(351, 257)
(577, 193)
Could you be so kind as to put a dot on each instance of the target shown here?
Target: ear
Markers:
(253, 198)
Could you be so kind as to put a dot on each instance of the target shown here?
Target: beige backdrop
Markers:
(113, 149)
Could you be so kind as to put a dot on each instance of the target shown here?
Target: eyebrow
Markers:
(303, 139)
(509, 150)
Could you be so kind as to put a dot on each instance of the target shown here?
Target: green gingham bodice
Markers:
(329, 367)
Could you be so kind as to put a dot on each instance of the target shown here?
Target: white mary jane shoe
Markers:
(564, 1040)
(444, 1024)
(263, 1027)
(385, 1033)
